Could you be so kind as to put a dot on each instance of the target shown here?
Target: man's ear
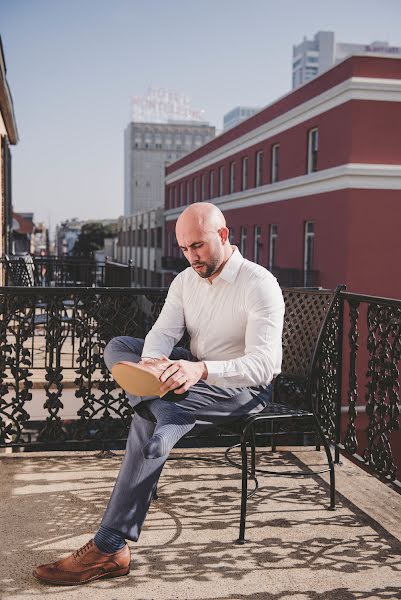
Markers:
(223, 232)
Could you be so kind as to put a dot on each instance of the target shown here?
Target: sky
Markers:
(74, 65)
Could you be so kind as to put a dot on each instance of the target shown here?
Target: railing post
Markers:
(339, 377)
(129, 272)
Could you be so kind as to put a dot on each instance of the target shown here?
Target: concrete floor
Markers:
(52, 503)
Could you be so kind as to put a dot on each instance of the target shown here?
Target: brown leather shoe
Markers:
(140, 379)
(85, 565)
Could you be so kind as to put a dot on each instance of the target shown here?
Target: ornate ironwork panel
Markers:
(373, 421)
(53, 340)
(382, 393)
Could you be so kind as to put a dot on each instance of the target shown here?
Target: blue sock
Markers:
(173, 422)
(109, 540)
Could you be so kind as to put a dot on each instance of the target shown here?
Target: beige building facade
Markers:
(8, 137)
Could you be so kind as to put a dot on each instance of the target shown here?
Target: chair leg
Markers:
(331, 466)
(274, 429)
(244, 490)
(253, 453)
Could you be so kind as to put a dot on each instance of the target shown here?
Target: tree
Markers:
(91, 238)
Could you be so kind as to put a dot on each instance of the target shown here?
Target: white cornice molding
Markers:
(350, 176)
(356, 88)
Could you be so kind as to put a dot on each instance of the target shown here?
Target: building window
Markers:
(275, 162)
(231, 235)
(313, 146)
(242, 241)
(181, 193)
(259, 168)
(170, 198)
(195, 190)
(188, 192)
(244, 184)
(256, 244)
(273, 234)
(160, 237)
(221, 181)
(170, 244)
(308, 252)
(232, 177)
(174, 196)
(203, 188)
(211, 185)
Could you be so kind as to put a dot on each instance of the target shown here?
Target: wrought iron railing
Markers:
(54, 271)
(68, 271)
(176, 264)
(296, 277)
(118, 274)
(55, 391)
(286, 277)
(370, 425)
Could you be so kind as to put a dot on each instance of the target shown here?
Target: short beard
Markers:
(211, 268)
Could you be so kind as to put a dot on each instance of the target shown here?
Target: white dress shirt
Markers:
(235, 323)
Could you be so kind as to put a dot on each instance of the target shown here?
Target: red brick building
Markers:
(310, 185)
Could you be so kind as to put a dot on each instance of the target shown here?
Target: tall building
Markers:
(8, 136)
(164, 127)
(237, 115)
(149, 147)
(312, 57)
(310, 185)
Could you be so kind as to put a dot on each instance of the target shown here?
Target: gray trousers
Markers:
(138, 476)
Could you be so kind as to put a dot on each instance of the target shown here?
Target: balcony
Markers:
(56, 394)
(286, 277)
(52, 503)
(296, 277)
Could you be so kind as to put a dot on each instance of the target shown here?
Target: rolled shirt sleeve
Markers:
(265, 308)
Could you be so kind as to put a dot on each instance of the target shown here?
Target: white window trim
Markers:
(232, 177)
(274, 174)
(257, 234)
(308, 235)
(311, 133)
(245, 165)
(259, 171)
(272, 237)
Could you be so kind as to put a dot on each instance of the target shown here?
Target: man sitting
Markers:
(233, 310)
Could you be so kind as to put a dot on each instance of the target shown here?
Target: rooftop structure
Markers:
(312, 57)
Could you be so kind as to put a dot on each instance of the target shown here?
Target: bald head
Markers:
(202, 235)
(201, 216)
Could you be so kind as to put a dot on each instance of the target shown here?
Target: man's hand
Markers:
(181, 374)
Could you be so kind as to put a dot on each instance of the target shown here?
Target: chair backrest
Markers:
(21, 270)
(305, 313)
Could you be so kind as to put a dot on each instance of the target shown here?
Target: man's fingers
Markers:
(174, 382)
(171, 370)
(183, 388)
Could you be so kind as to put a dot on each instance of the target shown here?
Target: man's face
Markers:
(203, 250)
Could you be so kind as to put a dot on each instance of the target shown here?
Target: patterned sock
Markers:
(109, 540)
(173, 422)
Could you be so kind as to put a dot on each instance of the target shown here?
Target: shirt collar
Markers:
(231, 268)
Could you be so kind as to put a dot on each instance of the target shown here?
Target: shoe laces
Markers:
(81, 551)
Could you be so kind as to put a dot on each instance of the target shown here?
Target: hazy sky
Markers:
(73, 65)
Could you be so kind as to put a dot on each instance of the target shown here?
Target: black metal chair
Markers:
(296, 393)
(20, 270)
